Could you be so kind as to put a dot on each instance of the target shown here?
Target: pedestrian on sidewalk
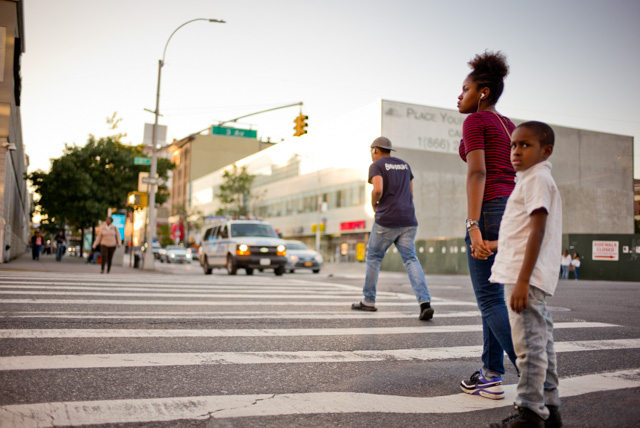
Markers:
(485, 147)
(36, 244)
(565, 264)
(108, 239)
(61, 245)
(527, 262)
(575, 265)
(395, 223)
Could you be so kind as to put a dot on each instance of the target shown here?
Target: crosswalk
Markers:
(87, 350)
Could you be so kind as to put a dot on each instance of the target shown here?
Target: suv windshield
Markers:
(252, 229)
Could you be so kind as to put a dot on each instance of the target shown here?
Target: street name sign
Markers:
(234, 132)
(141, 161)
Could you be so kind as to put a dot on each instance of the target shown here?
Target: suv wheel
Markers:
(232, 269)
(206, 267)
(279, 270)
(249, 271)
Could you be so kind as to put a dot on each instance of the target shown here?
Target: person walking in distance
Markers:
(575, 265)
(395, 223)
(565, 264)
(527, 262)
(36, 244)
(485, 147)
(108, 239)
(61, 243)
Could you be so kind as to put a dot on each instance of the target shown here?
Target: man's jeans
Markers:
(59, 252)
(532, 333)
(404, 238)
(490, 296)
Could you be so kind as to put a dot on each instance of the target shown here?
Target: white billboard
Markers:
(425, 128)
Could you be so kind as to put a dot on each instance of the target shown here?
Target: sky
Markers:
(572, 63)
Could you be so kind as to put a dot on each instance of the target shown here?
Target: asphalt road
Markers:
(176, 348)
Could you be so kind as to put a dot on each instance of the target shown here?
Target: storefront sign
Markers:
(352, 225)
(605, 250)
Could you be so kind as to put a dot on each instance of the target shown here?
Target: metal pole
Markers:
(318, 223)
(151, 228)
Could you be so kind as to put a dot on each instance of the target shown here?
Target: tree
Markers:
(193, 220)
(86, 181)
(235, 193)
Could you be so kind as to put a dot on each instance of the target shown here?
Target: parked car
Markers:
(175, 254)
(299, 256)
(155, 248)
(246, 244)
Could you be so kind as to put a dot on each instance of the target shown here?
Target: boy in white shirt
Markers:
(530, 245)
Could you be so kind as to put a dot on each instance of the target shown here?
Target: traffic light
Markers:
(301, 124)
(137, 199)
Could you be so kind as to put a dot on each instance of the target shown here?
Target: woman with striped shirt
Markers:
(486, 148)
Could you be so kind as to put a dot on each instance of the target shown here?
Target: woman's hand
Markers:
(479, 250)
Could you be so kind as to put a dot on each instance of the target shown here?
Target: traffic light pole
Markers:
(259, 112)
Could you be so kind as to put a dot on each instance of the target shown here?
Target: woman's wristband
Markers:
(471, 224)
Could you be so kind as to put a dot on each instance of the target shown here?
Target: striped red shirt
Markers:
(483, 131)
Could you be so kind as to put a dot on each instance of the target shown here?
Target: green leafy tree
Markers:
(86, 181)
(235, 192)
(164, 235)
(193, 219)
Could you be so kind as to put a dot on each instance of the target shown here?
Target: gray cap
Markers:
(382, 142)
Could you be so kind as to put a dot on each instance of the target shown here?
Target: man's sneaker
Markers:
(487, 388)
(554, 420)
(521, 418)
(426, 311)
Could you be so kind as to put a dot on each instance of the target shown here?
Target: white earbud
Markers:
(481, 95)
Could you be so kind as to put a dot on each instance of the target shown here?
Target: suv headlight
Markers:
(243, 250)
(281, 250)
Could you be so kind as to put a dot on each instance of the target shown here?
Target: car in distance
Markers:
(175, 254)
(155, 248)
(242, 244)
(299, 256)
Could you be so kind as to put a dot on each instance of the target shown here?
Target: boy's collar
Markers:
(540, 165)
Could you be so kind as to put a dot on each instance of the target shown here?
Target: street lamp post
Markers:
(148, 257)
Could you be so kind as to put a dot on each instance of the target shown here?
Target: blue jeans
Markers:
(532, 333)
(404, 238)
(565, 272)
(59, 252)
(496, 331)
(575, 271)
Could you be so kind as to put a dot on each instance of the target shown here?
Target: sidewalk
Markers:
(48, 263)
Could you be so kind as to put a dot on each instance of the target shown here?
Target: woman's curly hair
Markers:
(489, 71)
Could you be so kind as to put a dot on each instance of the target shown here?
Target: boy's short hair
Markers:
(542, 130)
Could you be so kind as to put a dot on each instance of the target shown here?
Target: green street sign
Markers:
(234, 132)
(141, 161)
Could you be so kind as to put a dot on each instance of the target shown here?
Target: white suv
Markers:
(246, 244)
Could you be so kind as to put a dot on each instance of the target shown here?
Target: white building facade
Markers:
(321, 178)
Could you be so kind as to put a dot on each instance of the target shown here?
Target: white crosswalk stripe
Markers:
(274, 302)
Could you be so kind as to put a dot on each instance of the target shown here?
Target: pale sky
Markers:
(573, 63)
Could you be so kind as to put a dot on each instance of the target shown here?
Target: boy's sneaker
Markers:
(554, 420)
(521, 418)
(487, 388)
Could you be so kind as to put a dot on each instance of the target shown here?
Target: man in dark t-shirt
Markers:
(395, 223)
